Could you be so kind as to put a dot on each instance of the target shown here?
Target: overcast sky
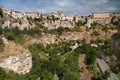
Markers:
(71, 7)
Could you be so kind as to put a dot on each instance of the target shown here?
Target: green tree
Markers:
(46, 75)
(69, 75)
(55, 63)
(2, 74)
(98, 76)
(91, 56)
(1, 44)
(1, 31)
(1, 12)
(95, 33)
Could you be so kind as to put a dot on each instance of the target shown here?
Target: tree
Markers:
(95, 33)
(1, 12)
(55, 63)
(46, 75)
(105, 29)
(2, 74)
(1, 44)
(98, 76)
(69, 75)
(91, 56)
(1, 31)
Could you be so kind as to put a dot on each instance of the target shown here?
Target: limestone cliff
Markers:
(19, 63)
(15, 58)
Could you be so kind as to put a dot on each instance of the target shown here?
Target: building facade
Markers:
(100, 15)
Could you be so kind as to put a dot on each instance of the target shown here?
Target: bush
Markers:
(93, 25)
(10, 35)
(2, 74)
(95, 33)
(116, 36)
(14, 35)
(79, 23)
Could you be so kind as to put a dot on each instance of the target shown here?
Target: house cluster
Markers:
(79, 18)
(60, 20)
(63, 19)
(62, 16)
(18, 14)
(14, 14)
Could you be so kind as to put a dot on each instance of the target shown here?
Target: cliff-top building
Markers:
(76, 18)
(62, 14)
(100, 15)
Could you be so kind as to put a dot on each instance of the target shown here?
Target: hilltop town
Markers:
(52, 20)
(56, 46)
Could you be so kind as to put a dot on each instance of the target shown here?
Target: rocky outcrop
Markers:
(74, 36)
(101, 21)
(59, 23)
(19, 63)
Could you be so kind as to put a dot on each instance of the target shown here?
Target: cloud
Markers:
(71, 7)
(111, 9)
(65, 3)
(101, 1)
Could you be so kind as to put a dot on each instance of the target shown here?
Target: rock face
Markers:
(20, 63)
(74, 36)
(59, 23)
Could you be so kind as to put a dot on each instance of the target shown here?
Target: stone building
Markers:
(76, 18)
(7, 11)
(102, 18)
(115, 14)
(33, 14)
(17, 14)
(100, 15)
(68, 18)
(62, 14)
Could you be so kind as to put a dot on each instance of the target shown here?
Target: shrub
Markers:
(79, 23)
(10, 35)
(116, 36)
